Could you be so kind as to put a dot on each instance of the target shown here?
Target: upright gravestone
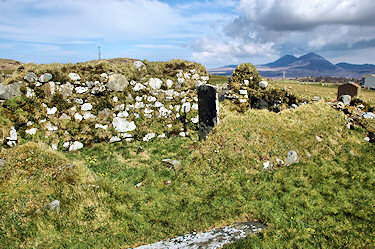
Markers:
(208, 109)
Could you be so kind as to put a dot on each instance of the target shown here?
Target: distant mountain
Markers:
(283, 61)
(310, 64)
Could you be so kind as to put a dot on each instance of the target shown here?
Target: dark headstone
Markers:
(348, 89)
(208, 109)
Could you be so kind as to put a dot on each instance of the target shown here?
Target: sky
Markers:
(211, 32)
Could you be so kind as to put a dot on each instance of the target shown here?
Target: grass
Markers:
(326, 200)
(328, 91)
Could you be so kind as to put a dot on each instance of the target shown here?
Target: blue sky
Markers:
(211, 32)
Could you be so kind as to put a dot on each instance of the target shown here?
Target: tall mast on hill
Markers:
(99, 53)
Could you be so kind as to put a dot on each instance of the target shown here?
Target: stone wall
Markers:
(75, 113)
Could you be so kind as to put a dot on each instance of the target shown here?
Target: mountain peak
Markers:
(310, 56)
(283, 61)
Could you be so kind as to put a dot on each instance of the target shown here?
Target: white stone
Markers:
(51, 127)
(186, 107)
(123, 114)
(88, 115)
(31, 131)
(138, 87)
(246, 82)
(187, 75)
(122, 125)
(164, 112)
(155, 83)
(139, 64)
(129, 107)
(195, 120)
(169, 83)
(168, 98)
(12, 134)
(66, 145)
(43, 121)
(162, 135)
(148, 111)
(367, 139)
(195, 76)
(45, 77)
(119, 107)
(194, 106)
(183, 134)
(73, 109)
(104, 127)
(180, 80)
(115, 99)
(78, 101)
(74, 77)
(104, 77)
(151, 99)
(51, 111)
(149, 136)
(30, 92)
(115, 139)
(136, 115)
(205, 78)
(29, 123)
(148, 115)
(177, 108)
(54, 146)
(78, 116)
(263, 84)
(138, 98)
(139, 105)
(44, 105)
(243, 100)
(86, 107)
(75, 146)
(158, 104)
(52, 87)
(169, 125)
(243, 92)
(266, 165)
(81, 89)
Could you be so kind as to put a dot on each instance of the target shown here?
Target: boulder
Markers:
(172, 164)
(31, 77)
(10, 91)
(54, 205)
(31, 131)
(117, 83)
(75, 146)
(74, 77)
(155, 83)
(345, 99)
(292, 158)
(122, 125)
(66, 89)
(45, 77)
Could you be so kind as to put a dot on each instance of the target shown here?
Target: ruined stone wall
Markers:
(74, 113)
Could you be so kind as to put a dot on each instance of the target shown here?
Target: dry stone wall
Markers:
(72, 114)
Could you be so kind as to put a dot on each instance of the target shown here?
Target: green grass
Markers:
(218, 79)
(327, 200)
(327, 91)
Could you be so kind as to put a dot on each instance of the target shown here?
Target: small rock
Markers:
(104, 127)
(167, 182)
(65, 116)
(12, 134)
(169, 83)
(138, 87)
(74, 77)
(66, 145)
(316, 98)
(115, 99)
(367, 139)
(114, 139)
(139, 149)
(31, 131)
(55, 205)
(292, 158)
(186, 107)
(263, 84)
(88, 115)
(75, 146)
(352, 153)
(78, 116)
(172, 164)
(81, 89)
(54, 146)
(149, 136)
(122, 125)
(345, 99)
(2, 162)
(279, 162)
(266, 165)
(294, 106)
(104, 77)
(139, 64)
(86, 107)
(369, 115)
(319, 139)
(30, 77)
(51, 111)
(138, 185)
(45, 77)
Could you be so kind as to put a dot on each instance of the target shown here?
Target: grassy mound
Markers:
(326, 200)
